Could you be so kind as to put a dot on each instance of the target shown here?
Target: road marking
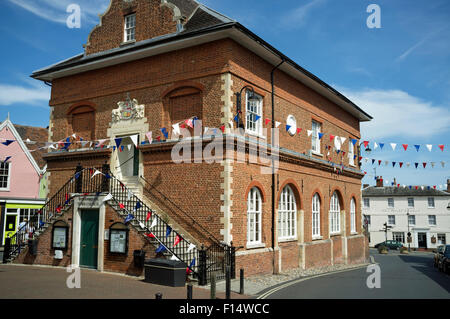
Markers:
(270, 292)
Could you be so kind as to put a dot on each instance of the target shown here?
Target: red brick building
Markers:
(168, 61)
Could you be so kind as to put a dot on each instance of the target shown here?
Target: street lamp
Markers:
(251, 98)
(409, 234)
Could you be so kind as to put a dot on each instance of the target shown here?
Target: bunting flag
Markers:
(321, 135)
(8, 142)
(354, 142)
(424, 165)
(189, 123)
(191, 246)
(101, 142)
(393, 164)
(176, 129)
(188, 270)
(277, 124)
(149, 137)
(154, 223)
(174, 258)
(58, 209)
(129, 218)
(379, 162)
(222, 128)
(267, 121)
(288, 127)
(150, 235)
(149, 215)
(299, 130)
(331, 137)
(417, 147)
(96, 173)
(257, 117)
(107, 198)
(178, 239)
(375, 146)
(441, 147)
(393, 145)
(309, 133)
(165, 133)
(108, 176)
(366, 143)
(429, 146)
(401, 164)
(7, 159)
(168, 231)
(160, 249)
(381, 146)
(405, 146)
(122, 206)
(118, 141)
(138, 205)
(416, 164)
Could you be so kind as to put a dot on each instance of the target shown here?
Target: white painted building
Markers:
(425, 213)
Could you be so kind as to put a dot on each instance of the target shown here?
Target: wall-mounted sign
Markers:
(118, 238)
(60, 235)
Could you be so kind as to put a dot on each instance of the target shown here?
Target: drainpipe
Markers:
(273, 163)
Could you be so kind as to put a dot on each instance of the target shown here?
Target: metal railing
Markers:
(203, 263)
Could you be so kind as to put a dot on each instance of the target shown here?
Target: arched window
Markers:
(353, 216)
(316, 216)
(254, 209)
(287, 211)
(335, 209)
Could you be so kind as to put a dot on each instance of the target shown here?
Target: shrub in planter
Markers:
(382, 249)
(403, 250)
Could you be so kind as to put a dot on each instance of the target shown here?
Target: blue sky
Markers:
(400, 73)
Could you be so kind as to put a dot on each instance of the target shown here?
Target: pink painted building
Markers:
(22, 175)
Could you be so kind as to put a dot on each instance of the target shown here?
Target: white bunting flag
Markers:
(174, 258)
(154, 223)
(393, 145)
(432, 164)
(191, 246)
(96, 173)
(101, 142)
(129, 147)
(386, 163)
(176, 129)
(107, 198)
(129, 194)
(375, 146)
(277, 124)
(343, 139)
(408, 164)
(134, 138)
(337, 143)
(74, 135)
(231, 124)
(149, 137)
(429, 146)
(309, 133)
(141, 224)
(84, 143)
(443, 164)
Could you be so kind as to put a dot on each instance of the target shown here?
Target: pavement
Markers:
(38, 282)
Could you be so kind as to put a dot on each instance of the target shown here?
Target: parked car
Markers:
(444, 260)
(439, 250)
(390, 244)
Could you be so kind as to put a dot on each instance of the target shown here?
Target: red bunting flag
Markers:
(158, 138)
(122, 206)
(177, 240)
(267, 121)
(398, 185)
(222, 128)
(366, 143)
(365, 173)
(299, 130)
(417, 187)
(401, 164)
(332, 138)
(360, 158)
(424, 165)
(379, 162)
(149, 215)
(183, 125)
(150, 235)
(405, 146)
(441, 147)
(58, 209)
(434, 186)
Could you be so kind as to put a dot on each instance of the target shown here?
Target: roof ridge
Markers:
(215, 13)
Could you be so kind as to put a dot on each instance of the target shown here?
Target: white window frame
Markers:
(391, 199)
(439, 239)
(254, 127)
(8, 182)
(254, 212)
(335, 215)
(366, 202)
(412, 220)
(391, 219)
(412, 201)
(430, 217)
(316, 128)
(130, 26)
(287, 215)
(396, 235)
(432, 202)
(351, 153)
(352, 216)
(316, 216)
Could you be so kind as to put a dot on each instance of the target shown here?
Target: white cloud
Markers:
(35, 95)
(398, 114)
(298, 17)
(55, 10)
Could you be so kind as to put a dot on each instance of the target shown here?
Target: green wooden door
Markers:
(136, 161)
(89, 238)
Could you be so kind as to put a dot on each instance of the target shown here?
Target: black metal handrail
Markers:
(201, 229)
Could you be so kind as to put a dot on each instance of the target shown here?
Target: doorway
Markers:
(10, 224)
(422, 240)
(128, 158)
(89, 238)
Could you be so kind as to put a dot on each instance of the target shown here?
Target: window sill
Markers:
(255, 245)
(335, 234)
(317, 238)
(285, 240)
(254, 134)
(316, 154)
(354, 233)
(4, 189)
(128, 42)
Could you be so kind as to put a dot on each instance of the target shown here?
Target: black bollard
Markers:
(158, 296)
(189, 291)
(213, 286)
(228, 283)
(7, 250)
(241, 290)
